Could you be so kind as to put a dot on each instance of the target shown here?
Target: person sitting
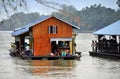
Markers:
(63, 53)
(26, 52)
(67, 52)
(51, 54)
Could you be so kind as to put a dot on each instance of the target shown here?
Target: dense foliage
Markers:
(118, 3)
(90, 18)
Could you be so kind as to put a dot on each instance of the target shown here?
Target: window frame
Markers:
(52, 29)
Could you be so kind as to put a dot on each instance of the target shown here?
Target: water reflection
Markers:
(55, 67)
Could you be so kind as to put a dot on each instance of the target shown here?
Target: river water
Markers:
(86, 68)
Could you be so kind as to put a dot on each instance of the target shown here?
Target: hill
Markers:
(18, 20)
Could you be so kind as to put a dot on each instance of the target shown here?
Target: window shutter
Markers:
(48, 29)
(54, 29)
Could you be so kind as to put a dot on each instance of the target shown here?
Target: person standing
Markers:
(118, 47)
(94, 46)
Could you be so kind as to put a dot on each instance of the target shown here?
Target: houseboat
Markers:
(46, 38)
(108, 43)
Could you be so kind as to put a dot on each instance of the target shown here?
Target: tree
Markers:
(10, 7)
(118, 3)
(69, 14)
(91, 18)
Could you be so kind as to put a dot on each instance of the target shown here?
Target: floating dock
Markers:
(105, 55)
(51, 57)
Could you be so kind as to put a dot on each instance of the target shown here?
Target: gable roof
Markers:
(112, 29)
(25, 29)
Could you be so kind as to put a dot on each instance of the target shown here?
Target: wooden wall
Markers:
(42, 45)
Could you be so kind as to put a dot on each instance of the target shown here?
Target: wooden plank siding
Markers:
(41, 37)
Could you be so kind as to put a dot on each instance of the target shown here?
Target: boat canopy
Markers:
(112, 29)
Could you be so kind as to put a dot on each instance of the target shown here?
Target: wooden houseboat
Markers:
(108, 43)
(48, 37)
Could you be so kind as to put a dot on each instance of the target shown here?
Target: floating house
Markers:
(46, 35)
(108, 43)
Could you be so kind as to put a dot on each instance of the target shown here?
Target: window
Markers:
(52, 29)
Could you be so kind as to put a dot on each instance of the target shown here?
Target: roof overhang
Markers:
(112, 29)
(20, 31)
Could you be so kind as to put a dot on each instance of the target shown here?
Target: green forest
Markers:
(89, 19)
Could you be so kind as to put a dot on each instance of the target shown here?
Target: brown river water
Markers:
(86, 68)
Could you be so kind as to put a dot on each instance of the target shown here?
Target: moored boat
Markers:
(56, 41)
(108, 43)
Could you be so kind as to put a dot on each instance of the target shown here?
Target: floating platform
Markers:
(71, 57)
(51, 57)
(105, 55)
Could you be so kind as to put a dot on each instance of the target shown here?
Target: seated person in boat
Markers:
(26, 52)
(67, 52)
(63, 53)
(54, 51)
